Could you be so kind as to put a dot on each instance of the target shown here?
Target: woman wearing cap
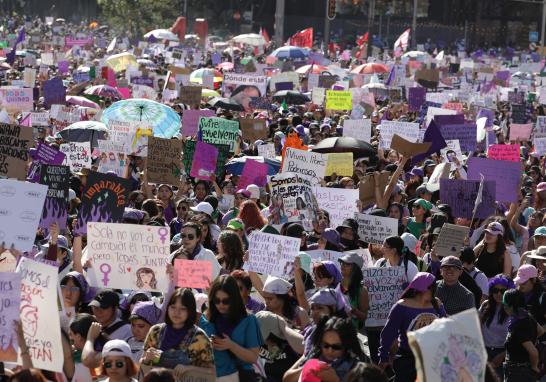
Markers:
(533, 290)
(492, 257)
(416, 309)
(494, 321)
(179, 343)
(117, 364)
(417, 224)
(143, 316)
(230, 251)
(235, 334)
(351, 287)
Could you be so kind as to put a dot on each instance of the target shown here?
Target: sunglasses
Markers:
(335, 347)
(119, 364)
(67, 288)
(189, 236)
(223, 301)
(497, 290)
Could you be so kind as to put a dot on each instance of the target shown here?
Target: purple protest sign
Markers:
(204, 161)
(254, 172)
(143, 81)
(455, 119)
(55, 210)
(461, 195)
(465, 133)
(54, 92)
(44, 155)
(63, 66)
(416, 98)
(489, 114)
(69, 42)
(505, 174)
(190, 121)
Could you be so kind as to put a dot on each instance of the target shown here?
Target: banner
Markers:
(461, 195)
(219, 131)
(272, 254)
(303, 38)
(204, 161)
(385, 286)
(241, 88)
(10, 301)
(375, 229)
(339, 100)
(78, 155)
(16, 99)
(505, 174)
(340, 203)
(15, 141)
(307, 163)
(164, 162)
(193, 273)
(57, 179)
(69, 42)
(190, 121)
(39, 314)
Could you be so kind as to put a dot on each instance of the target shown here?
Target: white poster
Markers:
(407, 130)
(272, 254)
(358, 128)
(310, 164)
(340, 203)
(375, 229)
(78, 155)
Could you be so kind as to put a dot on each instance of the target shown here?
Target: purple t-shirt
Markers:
(254, 306)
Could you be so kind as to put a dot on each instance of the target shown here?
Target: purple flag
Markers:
(433, 135)
(392, 75)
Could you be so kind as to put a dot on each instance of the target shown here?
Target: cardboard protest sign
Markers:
(253, 129)
(39, 315)
(506, 175)
(104, 198)
(407, 148)
(451, 240)
(44, 155)
(375, 229)
(385, 286)
(204, 161)
(190, 95)
(367, 185)
(254, 172)
(340, 203)
(190, 120)
(339, 100)
(406, 130)
(78, 155)
(448, 349)
(57, 179)
(193, 273)
(16, 99)
(520, 132)
(310, 164)
(266, 150)
(358, 128)
(29, 77)
(272, 254)
(428, 78)
(21, 206)
(10, 300)
(14, 144)
(339, 163)
(219, 131)
(54, 92)
(461, 195)
(164, 160)
(127, 256)
(504, 152)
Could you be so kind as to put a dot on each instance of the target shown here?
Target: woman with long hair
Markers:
(395, 253)
(528, 283)
(200, 191)
(235, 334)
(251, 216)
(165, 198)
(351, 287)
(416, 225)
(230, 251)
(178, 343)
(416, 308)
(244, 282)
(492, 256)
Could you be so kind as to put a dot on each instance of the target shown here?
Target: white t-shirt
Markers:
(410, 272)
(81, 373)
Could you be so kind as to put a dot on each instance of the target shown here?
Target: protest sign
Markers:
(187, 156)
(416, 97)
(38, 118)
(143, 91)
(339, 100)
(190, 121)
(127, 256)
(505, 174)
(520, 132)
(133, 136)
(406, 130)
(254, 172)
(10, 301)
(44, 155)
(465, 133)
(519, 114)
(375, 229)
(16, 99)
(193, 273)
(57, 179)
(451, 240)
(540, 127)
(29, 77)
(63, 116)
(190, 95)
(219, 131)
(292, 77)
(305, 163)
(272, 254)
(433, 111)
(452, 151)
(448, 349)
(367, 187)
(15, 141)
(78, 155)
(266, 150)
(504, 152)
(39, 315)
(111, 159)
(339, 163)
(540, 145)
(319, 255)
(461, 195)
(385, 286)
(241, 87)
(340, 203)
(164, 160)
(318, 95)
(204, 161)
(54, 92)
(358, 128)
(104, 198)
(21, 205)
(407, 148)
(253, 129)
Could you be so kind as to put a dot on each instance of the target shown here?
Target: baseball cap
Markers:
(204, 208)
(243, 192)
(331, 236)
(427, 206)
(420, 282)
(106, 298)
(417, 172)
(495, 228)
(254, 191)
(116, 347)
(525, 272)
(147, 311)
(541, 186)
(276, 285)
(235, 224)
(451, 261)
(295, 230)
(352, 258)
(540, 231)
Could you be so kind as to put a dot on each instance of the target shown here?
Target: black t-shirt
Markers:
(278, 360)
(523, 330)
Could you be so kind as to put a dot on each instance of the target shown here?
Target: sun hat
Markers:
(539, 253)
(269, 324)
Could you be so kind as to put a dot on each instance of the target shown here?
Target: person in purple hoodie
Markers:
(416, 308)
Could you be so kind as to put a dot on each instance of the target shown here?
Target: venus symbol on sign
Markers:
(162, 234)
(105, 269)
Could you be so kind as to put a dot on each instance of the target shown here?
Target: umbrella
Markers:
(148, 64)
(346, 145)
(291, 97)
(415, 54)
(164, 121)
(370, 68)
(253, 39)
(374, 85)
(209, 93)
(197, 75)
(162, 34)
(225, 103)
(119, 62)
(226, 65)
(84, 131)
(81, 101)
(288, 51)
(104, 91)
(232, 50)
(313, 68)
(235, 166)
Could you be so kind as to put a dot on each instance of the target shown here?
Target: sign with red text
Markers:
(193, 273)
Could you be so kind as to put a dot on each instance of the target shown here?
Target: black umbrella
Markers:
(291, 97)
(225, 103)
(359, 148)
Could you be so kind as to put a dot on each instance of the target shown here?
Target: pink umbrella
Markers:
(225, 65)
(81, 101)
(370, 68)
(314, 68)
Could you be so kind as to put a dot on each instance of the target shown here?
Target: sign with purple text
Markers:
(461, 195)
(10, 300)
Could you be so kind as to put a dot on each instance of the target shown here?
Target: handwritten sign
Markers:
(461, 195)
(219, 131)
(266, 150)
(451, 240)
(339, 163)
(406, 130)
(504, 152)
(520, 132)
(193, 273)
(78, 155)
(10, 300)
(505, 174)
(540, 127)
(340, 203)
(190, 95)
(375, 229)
(253, 129)
(305, 163)
(358, 128)
(14, 144)
(272, 254)
(254, 172)
(540, 145)
(56, 178)
(465, 133)
(127, 256)
(385, 286)
(164, 160)
(39, 315)
(133, 137)
(339, 100)
(204, 161)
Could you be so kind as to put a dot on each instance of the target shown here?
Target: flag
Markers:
(432, 134)
(10, 57)
(362, 39)
(284, 106)
(401, 44)
(479, 196)
(21, 36)
(392, 76)
(303, 39)
(264, 33)
(112, 45)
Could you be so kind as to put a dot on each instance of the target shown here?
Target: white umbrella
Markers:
(162, 34)
(414, 54)
(440, 56)
(253, 39)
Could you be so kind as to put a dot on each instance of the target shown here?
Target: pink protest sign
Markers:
(190, 121)
(254, 172)
(504, 152)
(204, 161)
(457, 106)
(193, 273)
(69, 42)
(519, 131)
(125, 92)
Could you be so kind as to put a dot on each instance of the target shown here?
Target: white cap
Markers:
(71, 194)
(410, 241)
(276, 285)
(254, 191)
(203, 207)
(116, 347)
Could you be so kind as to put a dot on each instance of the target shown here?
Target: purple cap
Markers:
(420, 283)
(300, 130)
(243, 192)
(147, 311)
(417, 172)
(332, 270)
(331, 236)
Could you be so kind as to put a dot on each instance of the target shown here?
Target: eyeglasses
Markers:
(67, 288)
(335, 347)
(497, 290)
(189, 236)
(223, 301)
(119, 364)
